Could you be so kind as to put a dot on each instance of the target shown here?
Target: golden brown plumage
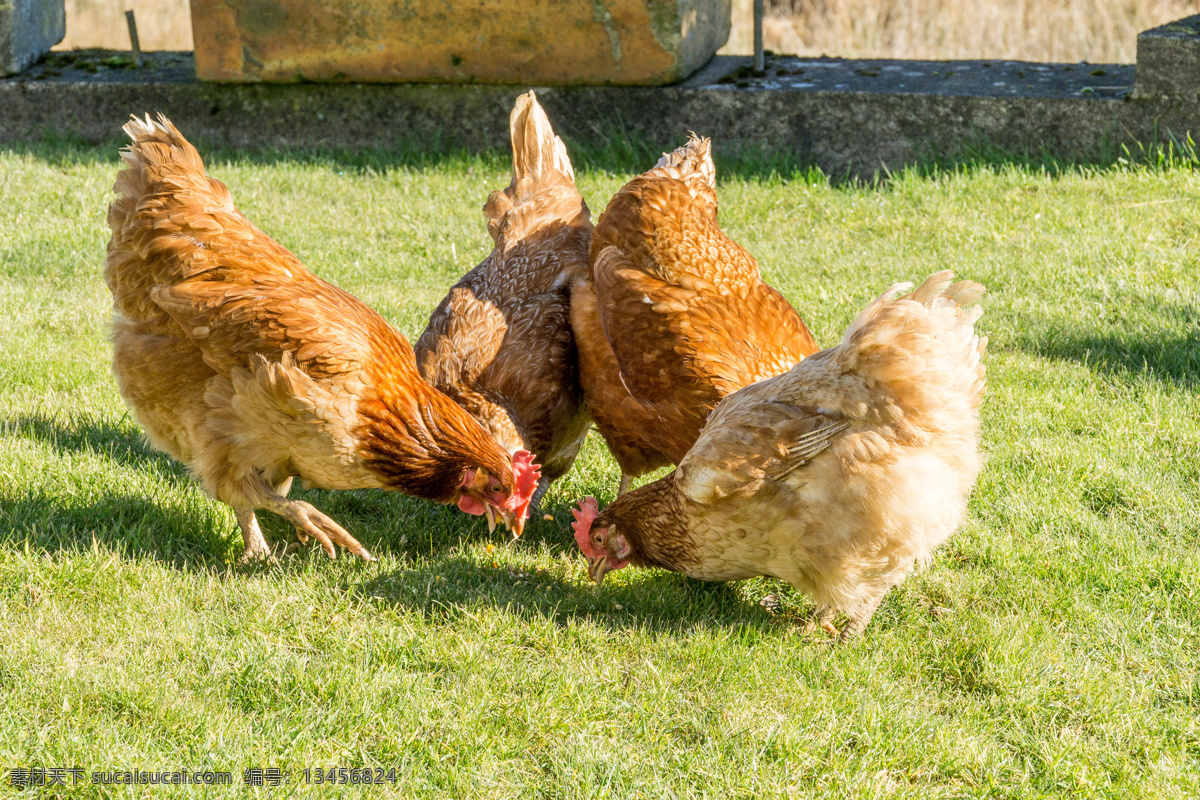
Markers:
(500, 343)
(838, 476)
(674, 315)
(249, 369)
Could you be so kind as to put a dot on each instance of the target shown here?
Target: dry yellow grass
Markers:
(1032, 30)
(1028, 30)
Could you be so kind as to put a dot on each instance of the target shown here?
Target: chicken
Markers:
(500, 343)
(674, 315)
(837, 477)
(250, 370)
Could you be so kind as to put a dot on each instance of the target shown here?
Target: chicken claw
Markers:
(311, 522)
(822, 618)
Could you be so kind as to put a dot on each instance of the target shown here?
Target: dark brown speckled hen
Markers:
(500, 343)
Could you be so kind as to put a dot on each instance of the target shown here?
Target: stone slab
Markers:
(855, 119)
(984, 78)
(548, 42)
(1168, 60)
(28, 29)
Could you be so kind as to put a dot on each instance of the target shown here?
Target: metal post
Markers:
(759, 59)
(133, 38)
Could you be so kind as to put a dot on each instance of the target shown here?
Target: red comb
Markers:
(526, 475)
(585, 515)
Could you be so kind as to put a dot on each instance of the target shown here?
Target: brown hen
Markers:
(838, 477)
(674, 315)
(500, 343)
(250, 370)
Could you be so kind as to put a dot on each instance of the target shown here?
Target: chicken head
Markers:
(604, 548)
(485, 495)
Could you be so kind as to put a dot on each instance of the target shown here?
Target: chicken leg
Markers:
(535, 502)
(862, 617)
(256, 544)
(252, 535)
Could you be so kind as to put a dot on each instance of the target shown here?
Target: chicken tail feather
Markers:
(694, 158)
(153, 223)
(543, 182)
(539, 157)
(923, 347)
(158, 160)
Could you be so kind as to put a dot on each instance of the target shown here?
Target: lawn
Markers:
(1051, 650)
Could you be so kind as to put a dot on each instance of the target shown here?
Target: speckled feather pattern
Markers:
(248, 368)
(839, 476)
(500, 343)
(674, 315)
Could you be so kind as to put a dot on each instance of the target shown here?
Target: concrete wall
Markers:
(28, 29)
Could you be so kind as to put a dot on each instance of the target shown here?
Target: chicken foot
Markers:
(824, 618)
(626, 482)
(309, 522)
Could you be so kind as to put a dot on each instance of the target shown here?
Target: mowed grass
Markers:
(1051, 650)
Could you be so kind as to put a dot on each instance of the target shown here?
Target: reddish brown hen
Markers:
(839, 476)
(250, 370)
(674, 315)
(500, 343)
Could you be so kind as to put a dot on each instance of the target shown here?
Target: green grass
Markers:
(1052, 649)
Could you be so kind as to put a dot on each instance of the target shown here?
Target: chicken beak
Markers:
(597, 568)
(514, 522)
(491, 517)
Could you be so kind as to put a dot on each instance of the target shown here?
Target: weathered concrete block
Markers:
(1168, 60)
(540, 42)
(850, 118)
(28, 29)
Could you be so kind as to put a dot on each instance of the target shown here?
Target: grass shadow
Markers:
(1169, 354)
(185, 535)
(619, 151)
(620, 154)
(119, 441)
(652, 600)
(187, 530)
(387, 523)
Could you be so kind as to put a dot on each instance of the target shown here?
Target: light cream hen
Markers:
(838, 476)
